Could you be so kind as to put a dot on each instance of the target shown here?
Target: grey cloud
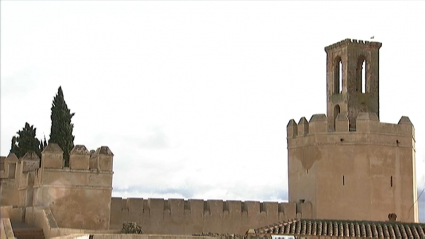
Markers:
(421, 204)
(195, 190)
(146, 189)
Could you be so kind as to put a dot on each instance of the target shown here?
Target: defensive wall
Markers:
(84, 188)
(61, 199)
(361, 173)
(179, 216)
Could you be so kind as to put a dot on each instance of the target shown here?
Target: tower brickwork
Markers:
(352, 79)
(347, 163)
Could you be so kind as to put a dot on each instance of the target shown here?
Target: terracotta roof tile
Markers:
(345, 228)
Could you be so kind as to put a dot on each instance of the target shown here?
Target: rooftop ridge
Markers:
(343, 228)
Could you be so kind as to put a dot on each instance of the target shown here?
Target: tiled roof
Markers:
(342, 228)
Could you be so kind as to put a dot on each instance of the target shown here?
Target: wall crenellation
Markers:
(85, 186)
(29, 183)
(155, 215)
(348, 41)
(159, 204)
(366, 122)
(344, 165)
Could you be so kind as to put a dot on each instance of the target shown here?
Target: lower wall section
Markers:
(141, 236)
(179, 216)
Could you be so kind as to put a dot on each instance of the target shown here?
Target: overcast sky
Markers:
(193, 97)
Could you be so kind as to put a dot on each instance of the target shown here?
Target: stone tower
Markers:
(347, 163)
(352, 80)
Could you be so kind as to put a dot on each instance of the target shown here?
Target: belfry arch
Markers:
(361, 74)
(338, 74)
(352, 75)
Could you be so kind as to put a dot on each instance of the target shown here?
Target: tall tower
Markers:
(352, 80)
(348, 164)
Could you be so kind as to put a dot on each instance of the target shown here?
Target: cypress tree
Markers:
(61, 129)
(43, 144)
(25, 141)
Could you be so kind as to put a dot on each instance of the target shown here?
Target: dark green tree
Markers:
(61, 129)
(26, 141)
(43, 144)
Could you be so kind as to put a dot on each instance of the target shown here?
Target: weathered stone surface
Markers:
(360, 168)
(343, 165)
(30, 162)
(79, 157)
(52, 156)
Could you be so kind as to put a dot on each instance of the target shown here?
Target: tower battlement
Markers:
(354, 42)
(365, 123)
(362, 174)
(347, 163)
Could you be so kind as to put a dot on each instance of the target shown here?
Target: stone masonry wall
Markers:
(364, 174)
(179, 216)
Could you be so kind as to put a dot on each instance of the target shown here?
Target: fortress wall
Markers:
(17, 178)
(366, 123)
(84, 187)
(368, 130)
(9, 177)
(179, 216)
(362, 175)
(77, 178)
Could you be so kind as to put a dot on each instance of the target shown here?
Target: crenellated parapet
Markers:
(366, 123)
(85, 186)
(179, 216)
(350, 165)
(80, 158)
(8, 166)
(101, 159)
(354, 42)
(17, 176)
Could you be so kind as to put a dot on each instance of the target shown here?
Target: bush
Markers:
(131, 228)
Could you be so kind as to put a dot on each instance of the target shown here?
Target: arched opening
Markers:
(338, 76)
(361, 76)
(337, 110)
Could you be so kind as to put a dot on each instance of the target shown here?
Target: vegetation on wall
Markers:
(131, 228)
(26, 141)
(61, 129)
(60, 132)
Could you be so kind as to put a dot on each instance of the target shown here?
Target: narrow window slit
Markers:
(340, 76)
(364, 77)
